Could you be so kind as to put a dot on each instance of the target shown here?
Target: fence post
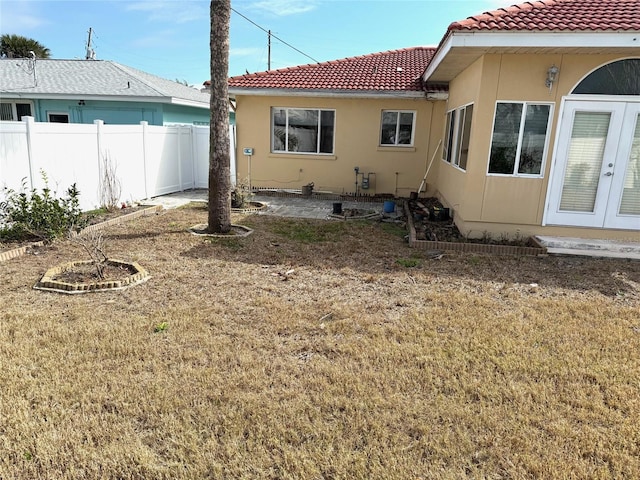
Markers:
(98, 124)
(194, 152)
(180, 158)
(30, 124)
(144, 157)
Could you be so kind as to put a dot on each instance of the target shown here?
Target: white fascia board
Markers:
(441, 53)
(190, 103)
(532, 39)
(283, 92)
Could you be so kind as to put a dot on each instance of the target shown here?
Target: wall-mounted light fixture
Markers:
(552, 75)
(81, 103)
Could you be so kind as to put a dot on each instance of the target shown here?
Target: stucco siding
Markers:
(357, 132)
(503, 203)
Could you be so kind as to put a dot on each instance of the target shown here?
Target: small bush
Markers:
(39, 214)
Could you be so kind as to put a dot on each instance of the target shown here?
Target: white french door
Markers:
(596, 177)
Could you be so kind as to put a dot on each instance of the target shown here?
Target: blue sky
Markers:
(171, 38)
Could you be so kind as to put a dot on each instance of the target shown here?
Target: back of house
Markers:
(525, 119)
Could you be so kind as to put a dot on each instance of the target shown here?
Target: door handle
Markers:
(608, 174)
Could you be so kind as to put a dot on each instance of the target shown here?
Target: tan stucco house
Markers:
(526, 118)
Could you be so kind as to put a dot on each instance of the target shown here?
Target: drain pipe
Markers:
(357, 171)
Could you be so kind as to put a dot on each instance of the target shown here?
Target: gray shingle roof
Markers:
(99, 78)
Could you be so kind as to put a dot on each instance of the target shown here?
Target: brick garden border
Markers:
(49, 284)
(465, 246)
(19, 251)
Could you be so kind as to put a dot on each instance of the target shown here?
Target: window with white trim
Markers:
(519, 138)
(457, 136)
(397, 127)
(14, 111)
(302, 130)
(58, 117)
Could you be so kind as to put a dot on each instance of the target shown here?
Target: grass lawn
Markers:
(368, 360)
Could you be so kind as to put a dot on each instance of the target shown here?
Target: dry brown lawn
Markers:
(369, 360)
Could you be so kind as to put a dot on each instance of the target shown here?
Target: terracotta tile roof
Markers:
(391, 71)
(558, 15)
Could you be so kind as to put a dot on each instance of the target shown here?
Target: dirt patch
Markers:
(87, 273)
(433, 222)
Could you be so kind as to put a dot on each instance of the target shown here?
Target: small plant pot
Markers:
(307, 190)
(439, 214)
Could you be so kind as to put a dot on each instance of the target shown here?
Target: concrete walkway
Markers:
(305, 207)
(293, 207)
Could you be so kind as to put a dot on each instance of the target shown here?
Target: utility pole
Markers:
(269, 50)
(90, 55)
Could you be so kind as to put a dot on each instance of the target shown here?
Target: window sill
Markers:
(511, 175)
(396, 148)
(302, 156)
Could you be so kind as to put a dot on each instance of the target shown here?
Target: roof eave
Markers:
(298, 92)
(476, 43)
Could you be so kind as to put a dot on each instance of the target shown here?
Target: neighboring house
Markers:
(81, 91)
(537, 107)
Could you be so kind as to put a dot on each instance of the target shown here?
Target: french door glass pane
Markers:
(584, 161)
(630, 204)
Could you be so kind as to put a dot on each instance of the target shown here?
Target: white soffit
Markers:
(461, 49)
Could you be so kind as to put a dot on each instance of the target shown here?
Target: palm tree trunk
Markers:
(219, 156)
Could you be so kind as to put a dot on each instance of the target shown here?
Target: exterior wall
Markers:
(112, 113)
(398, 170)
(121, 113)
(185, 115)
(503, 204)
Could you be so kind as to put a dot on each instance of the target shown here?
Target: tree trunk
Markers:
(219, 155)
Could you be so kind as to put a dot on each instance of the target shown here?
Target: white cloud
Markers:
(284, 8)
(171, 11)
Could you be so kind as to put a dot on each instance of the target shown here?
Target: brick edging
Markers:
(467, 247)
(47, 282)
(19, 251)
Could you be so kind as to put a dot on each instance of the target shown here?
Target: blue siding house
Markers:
(81, 91)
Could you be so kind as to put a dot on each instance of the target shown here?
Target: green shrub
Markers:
(41, 214)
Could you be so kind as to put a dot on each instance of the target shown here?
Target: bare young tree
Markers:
(219, 219)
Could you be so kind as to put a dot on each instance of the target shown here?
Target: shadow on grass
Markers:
(375, 248)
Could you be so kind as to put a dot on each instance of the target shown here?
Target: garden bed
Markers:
(431, 228)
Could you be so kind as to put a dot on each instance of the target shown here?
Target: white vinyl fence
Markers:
(148, 160)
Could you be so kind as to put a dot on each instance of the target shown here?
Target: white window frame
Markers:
(396, 136)
(14, 109)
(286, 151)
(454, 135)
(58, 113)
(545, 150)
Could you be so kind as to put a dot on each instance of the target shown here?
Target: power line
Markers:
(272, 35)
